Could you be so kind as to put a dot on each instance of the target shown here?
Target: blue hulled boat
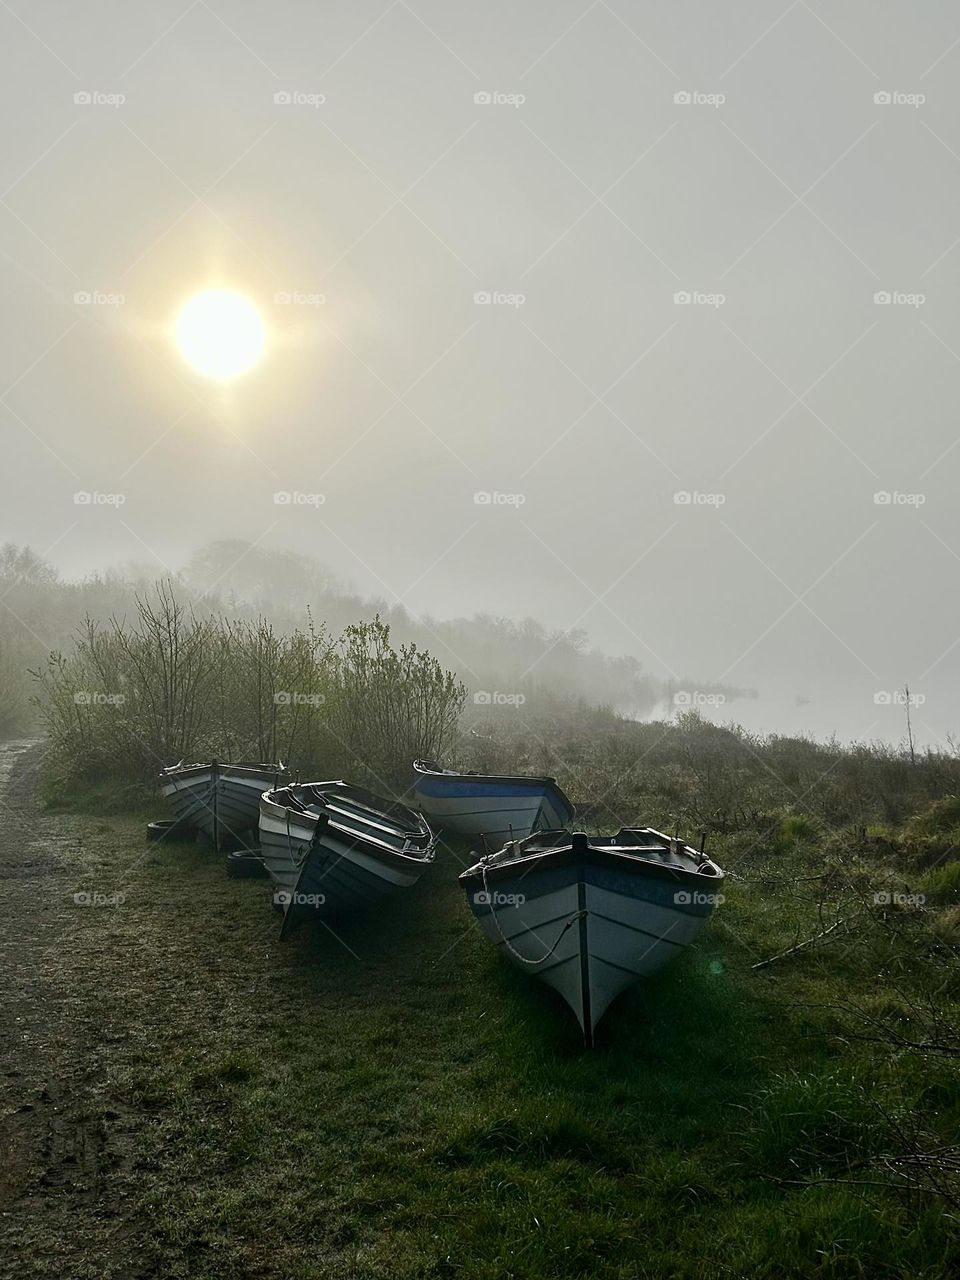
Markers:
(497, 807)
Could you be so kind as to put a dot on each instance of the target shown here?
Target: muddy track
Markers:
(67, 1146)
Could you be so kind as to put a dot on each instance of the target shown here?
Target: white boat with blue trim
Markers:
(591, 915)
(221, 800)
(336, 848)
(496, 807)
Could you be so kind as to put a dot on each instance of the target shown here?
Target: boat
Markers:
(497, 807)
(337, 848)
(591, 915)
(220, 800)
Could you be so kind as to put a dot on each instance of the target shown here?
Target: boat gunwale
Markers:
(618, 857)
(197, 769)
(279, 811)
(430, 769)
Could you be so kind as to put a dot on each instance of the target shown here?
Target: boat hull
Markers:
(317, 862)
(588, 927)
(220, 800)
(496, 809)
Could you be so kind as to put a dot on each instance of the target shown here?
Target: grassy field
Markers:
(393, 1101)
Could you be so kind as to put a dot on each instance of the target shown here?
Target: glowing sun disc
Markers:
(220, 333)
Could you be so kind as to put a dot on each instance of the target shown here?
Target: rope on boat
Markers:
(506, 941)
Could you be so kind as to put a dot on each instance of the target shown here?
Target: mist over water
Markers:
(492, 652)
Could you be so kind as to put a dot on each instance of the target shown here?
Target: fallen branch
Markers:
(943, 1040)
(801, 946)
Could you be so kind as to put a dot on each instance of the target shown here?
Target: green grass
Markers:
(396, 1102)
(942, 883)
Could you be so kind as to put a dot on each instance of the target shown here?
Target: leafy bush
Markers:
(388, 705)
(794, 829)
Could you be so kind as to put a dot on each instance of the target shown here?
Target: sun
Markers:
(220, 333)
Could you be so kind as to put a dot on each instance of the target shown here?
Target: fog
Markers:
(634, 319)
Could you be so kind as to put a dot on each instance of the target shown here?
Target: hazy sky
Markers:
(782, 196)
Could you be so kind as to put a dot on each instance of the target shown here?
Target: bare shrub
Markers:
(169, 686)
(132, 697)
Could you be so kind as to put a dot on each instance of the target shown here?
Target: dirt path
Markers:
(66, 1144)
